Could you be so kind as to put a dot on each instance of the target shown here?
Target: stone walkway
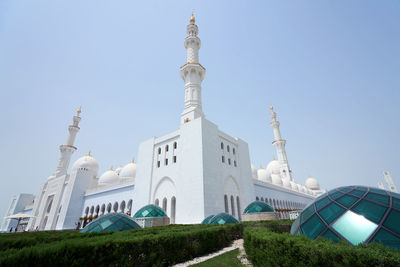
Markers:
(236, 244)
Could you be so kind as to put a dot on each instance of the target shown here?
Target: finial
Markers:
(79, 111)
(271, 108)
(261, 166)
(133, 160)
(274, 156)
(111, 168)
(89, 153)
(192, 20)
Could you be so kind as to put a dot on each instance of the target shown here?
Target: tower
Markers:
(68, 149)
(279, 145)
(389, 182)
(193, 74)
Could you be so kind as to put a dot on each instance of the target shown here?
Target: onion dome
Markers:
(128, 171)
(274, 167)
(111, 222)
(207, 219)
(258, 206)
(108, 177)
(312, 183)
(223, 218)
(276, 179)
(87, 163)
(263, 175)
(254, 172)
(150, 211)
(286, 182)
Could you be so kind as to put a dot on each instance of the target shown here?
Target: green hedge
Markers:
(265, 248)
(158, 246)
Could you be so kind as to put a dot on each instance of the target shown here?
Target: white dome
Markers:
(128, 171)
(87, 162)
(312, 183)
(293, 186)
(274, 167)
(286, 182)
(263, 176)
(276, 179)
(254, 172)
(108, 177)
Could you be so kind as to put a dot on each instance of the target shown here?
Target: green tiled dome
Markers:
(207, 219)
(150, 211)
(356, 214)
(258, 206)
(222, 218)
(111, 222)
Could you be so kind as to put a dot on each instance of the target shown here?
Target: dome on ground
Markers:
(223, 218)
(274, 167)
(150, 211)
(276, 179)
(129, 171)
(254, 172)
(108, 177)
(312, 183)
(286, 182)
(87, 162)
(258, 206)
(111, 222)
(207, 219)
(263, 176)
(356, 214)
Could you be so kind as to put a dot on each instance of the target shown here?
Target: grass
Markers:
(228, 259)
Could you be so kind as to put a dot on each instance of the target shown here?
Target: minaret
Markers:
(193, 74)
(68, 149)
(279, 145)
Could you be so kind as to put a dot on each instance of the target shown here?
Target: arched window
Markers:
(238, 208)
(115, 207)
(122, 207)
(227, 148)
(91, 210)
(87, 211)
(159, 150)
(166, 148)
(157, 202)
(49, 206)
(226, 204)
(257, 199)
(175, 145)
(173, 209)
(233, 151)
(109, 208)
(103, 209)
(222, 145)
(97, 210)
(233, 206)
(262, 199)
(130, 207)
(223, 159)
(164, 204)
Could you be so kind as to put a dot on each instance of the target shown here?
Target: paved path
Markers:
(236, 244)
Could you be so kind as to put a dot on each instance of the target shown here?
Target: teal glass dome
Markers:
(149, 211)
(258, 206)
(356, 214)
(222, 218)
(207, 219)
(111, 222)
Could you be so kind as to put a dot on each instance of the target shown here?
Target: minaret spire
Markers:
(68, 149)
(193, 74)
(279, 145)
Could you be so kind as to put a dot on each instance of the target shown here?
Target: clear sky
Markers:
(330, 68)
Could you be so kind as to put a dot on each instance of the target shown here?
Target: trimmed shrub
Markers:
(159, 246)
(265, 248)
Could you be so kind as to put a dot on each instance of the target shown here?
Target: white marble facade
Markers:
(191, 173)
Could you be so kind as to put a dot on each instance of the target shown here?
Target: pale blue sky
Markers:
(331, 69)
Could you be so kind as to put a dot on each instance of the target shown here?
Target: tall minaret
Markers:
(68, 149)
(193, 74)
(279, 145)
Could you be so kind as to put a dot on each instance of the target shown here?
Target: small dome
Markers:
(258, 206)
(254, 172)
(286, 182)
(149, 211)
(293, 186)
(276, 179)
(274, 167)
(111, 222)
(108, 177)
(312, 183)
(263, 175)
(87, 162)
(128, 171)
(223, 218)
(207, 219)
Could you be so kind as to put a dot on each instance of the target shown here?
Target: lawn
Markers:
(228, 259)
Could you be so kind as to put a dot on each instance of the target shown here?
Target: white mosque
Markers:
(191, 173)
